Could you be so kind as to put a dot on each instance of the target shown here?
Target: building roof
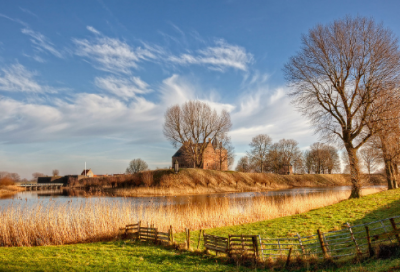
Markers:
(86, 172)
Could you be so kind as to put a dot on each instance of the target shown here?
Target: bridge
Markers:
(42, 186)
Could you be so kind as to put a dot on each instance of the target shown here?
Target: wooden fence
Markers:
(136, 231)
(352, 240)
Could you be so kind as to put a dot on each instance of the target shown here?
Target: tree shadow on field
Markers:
(391, 209)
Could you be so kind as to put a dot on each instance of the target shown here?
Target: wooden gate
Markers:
(243, 245)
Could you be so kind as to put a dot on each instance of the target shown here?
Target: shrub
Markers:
(147, 178)
(6, 181)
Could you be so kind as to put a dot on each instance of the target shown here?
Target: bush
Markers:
(6, 181)
(147, 178)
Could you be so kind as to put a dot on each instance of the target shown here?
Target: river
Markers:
(33, 197)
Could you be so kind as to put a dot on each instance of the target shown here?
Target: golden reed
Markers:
(99, 219)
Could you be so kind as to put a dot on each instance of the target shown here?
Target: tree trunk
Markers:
(390, 175)
(354, 172)
(388, 170)
(393, 172)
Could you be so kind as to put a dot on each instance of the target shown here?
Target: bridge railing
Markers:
(40, 184)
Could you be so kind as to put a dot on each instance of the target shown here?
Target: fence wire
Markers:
(349, 241)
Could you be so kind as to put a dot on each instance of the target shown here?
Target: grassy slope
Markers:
(198, 181)
(120, 256)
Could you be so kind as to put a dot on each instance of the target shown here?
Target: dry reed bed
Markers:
(10, 190)
(97, 220)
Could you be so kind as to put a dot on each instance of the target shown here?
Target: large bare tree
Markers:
(343, 79)
(193, 125)
(258, 154)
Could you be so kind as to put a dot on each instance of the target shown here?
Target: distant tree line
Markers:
(265, 156)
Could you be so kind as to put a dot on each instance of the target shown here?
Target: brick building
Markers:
(213, 157)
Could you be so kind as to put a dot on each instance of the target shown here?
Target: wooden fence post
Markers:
(301, 245)
(188, 239)
(354, 239)
(171, 234)
(255, 246)
(370, 250)
(288, 257)
(323, 247)
(155, 235)
(395, 228)
(229, 245)
(198, 244)
(139, 225)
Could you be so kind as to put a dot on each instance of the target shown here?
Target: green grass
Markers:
(109, 256)
(121, 256)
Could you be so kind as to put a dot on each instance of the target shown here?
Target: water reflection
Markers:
(33, 197)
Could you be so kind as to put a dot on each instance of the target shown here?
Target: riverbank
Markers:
(99, 219)
(198, 181)
(123, 255)
(6, 191)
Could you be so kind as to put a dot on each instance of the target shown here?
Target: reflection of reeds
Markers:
(10, 190)
(96, 219)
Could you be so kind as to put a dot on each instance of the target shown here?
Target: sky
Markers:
(90, 81)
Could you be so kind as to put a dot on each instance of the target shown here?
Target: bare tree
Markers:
(37, 175)
(260, 146)
(344, 78)
(243, 165)
(193, 125)
(388, 141)
(136, 166)
(224, 150)
(283, 154)
(14, 176)
(371, 158)
(332, 161)
(56, 172)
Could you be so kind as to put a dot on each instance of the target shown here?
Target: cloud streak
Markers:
(17, 78)
(219, 57)
(41, 42)
(111, 55)
(122, 87)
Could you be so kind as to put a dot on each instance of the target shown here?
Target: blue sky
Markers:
(91, 80)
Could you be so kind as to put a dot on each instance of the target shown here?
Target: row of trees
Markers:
(15, 177)
(265, 156)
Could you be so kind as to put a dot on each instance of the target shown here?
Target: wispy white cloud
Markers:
(17, 78)
(112, 55)
(123, 87)
(93, 30)
(28, 12)
(14, 20)
(41, 42)
(219, 57)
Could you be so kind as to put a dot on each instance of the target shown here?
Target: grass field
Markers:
(123, 256)
(109, 256)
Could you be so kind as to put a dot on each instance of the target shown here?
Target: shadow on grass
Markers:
(389, 210)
